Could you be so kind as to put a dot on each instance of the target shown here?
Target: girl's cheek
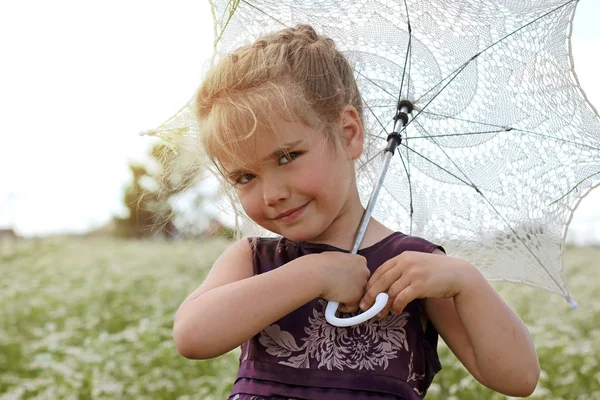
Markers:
(316, 173)
(248, 203)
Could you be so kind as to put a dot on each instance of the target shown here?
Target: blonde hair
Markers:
(293, 73)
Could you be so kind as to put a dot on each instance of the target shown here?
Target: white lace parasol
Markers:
(502, 143)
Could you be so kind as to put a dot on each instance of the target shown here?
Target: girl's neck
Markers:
(342, 231)
(345, 240)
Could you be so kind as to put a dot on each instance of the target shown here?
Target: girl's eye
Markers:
(286, 158)
(244, 178)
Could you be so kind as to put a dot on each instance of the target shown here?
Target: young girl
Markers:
(282, 121)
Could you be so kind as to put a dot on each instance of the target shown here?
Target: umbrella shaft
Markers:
(364, 222)
(404, 108)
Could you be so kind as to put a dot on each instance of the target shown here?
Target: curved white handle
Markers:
(380, 302)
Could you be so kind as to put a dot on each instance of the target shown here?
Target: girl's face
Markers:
(299, 184)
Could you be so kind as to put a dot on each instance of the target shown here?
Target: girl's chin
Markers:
(299, 233)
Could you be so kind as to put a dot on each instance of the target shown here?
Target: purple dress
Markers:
(302, 356)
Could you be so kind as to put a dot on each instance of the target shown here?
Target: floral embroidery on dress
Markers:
(413, 376)
(365, 346)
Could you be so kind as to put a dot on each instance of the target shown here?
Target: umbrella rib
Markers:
(368, 161)
(452, 134)
(573, 188)
(523, 27)
(439, 166)
(409, 65)
(406, 58)
(374, 136)
(407, 168)
(508, 129)
(456, 134)
(434, 97)
(501, 129)
(374, 115)
(565, 292)
(280, 22)
(375, 84)
(263, 12)
(556, 138)
(234, 7)
(448, 157)
(515, 130)
(452, 74)
(385, 106)
(456, 72)
(462, 67)
(409, 189)
(463, 120)
(471, 184)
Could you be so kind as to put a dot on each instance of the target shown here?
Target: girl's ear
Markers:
(352, 132)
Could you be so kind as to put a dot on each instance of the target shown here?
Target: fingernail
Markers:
(363, 305)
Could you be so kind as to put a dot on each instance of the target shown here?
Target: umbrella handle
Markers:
(380, 303)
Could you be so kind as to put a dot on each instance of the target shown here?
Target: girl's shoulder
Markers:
(265, 244)
(396, 242)
(269, 253)
(238, 253)
(400, 242)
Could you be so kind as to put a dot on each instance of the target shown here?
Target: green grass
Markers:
(92, 318)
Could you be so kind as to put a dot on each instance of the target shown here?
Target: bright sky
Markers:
(79, 80)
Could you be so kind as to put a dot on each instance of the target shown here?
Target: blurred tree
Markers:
(147, 197)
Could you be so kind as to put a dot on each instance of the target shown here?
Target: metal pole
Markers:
(404, 108)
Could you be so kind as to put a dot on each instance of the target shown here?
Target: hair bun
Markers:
(308, 32)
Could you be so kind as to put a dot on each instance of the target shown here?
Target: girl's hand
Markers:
(343, 278)
(415, 275)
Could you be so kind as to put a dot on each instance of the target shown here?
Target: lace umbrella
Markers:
(501, 144)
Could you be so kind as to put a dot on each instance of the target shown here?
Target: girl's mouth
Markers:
(292, 215)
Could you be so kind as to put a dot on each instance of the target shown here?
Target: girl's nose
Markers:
(274, 190)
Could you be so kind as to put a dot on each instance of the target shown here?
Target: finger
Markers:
(384, 276)
(393, 292)
(380, 271)
(383, 313)
(357, 259)
(348, 308)
(403, 298)
(367, 274)
(382, 284)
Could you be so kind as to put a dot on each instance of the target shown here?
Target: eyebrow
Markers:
(284, 149)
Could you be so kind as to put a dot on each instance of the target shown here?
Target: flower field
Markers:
(91, 319)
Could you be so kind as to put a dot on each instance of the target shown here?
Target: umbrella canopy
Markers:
(502, 143)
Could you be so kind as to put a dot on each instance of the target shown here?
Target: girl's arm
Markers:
(483, 332)
(486, 336)
(232, 305)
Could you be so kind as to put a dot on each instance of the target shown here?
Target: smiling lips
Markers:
(290, 215)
